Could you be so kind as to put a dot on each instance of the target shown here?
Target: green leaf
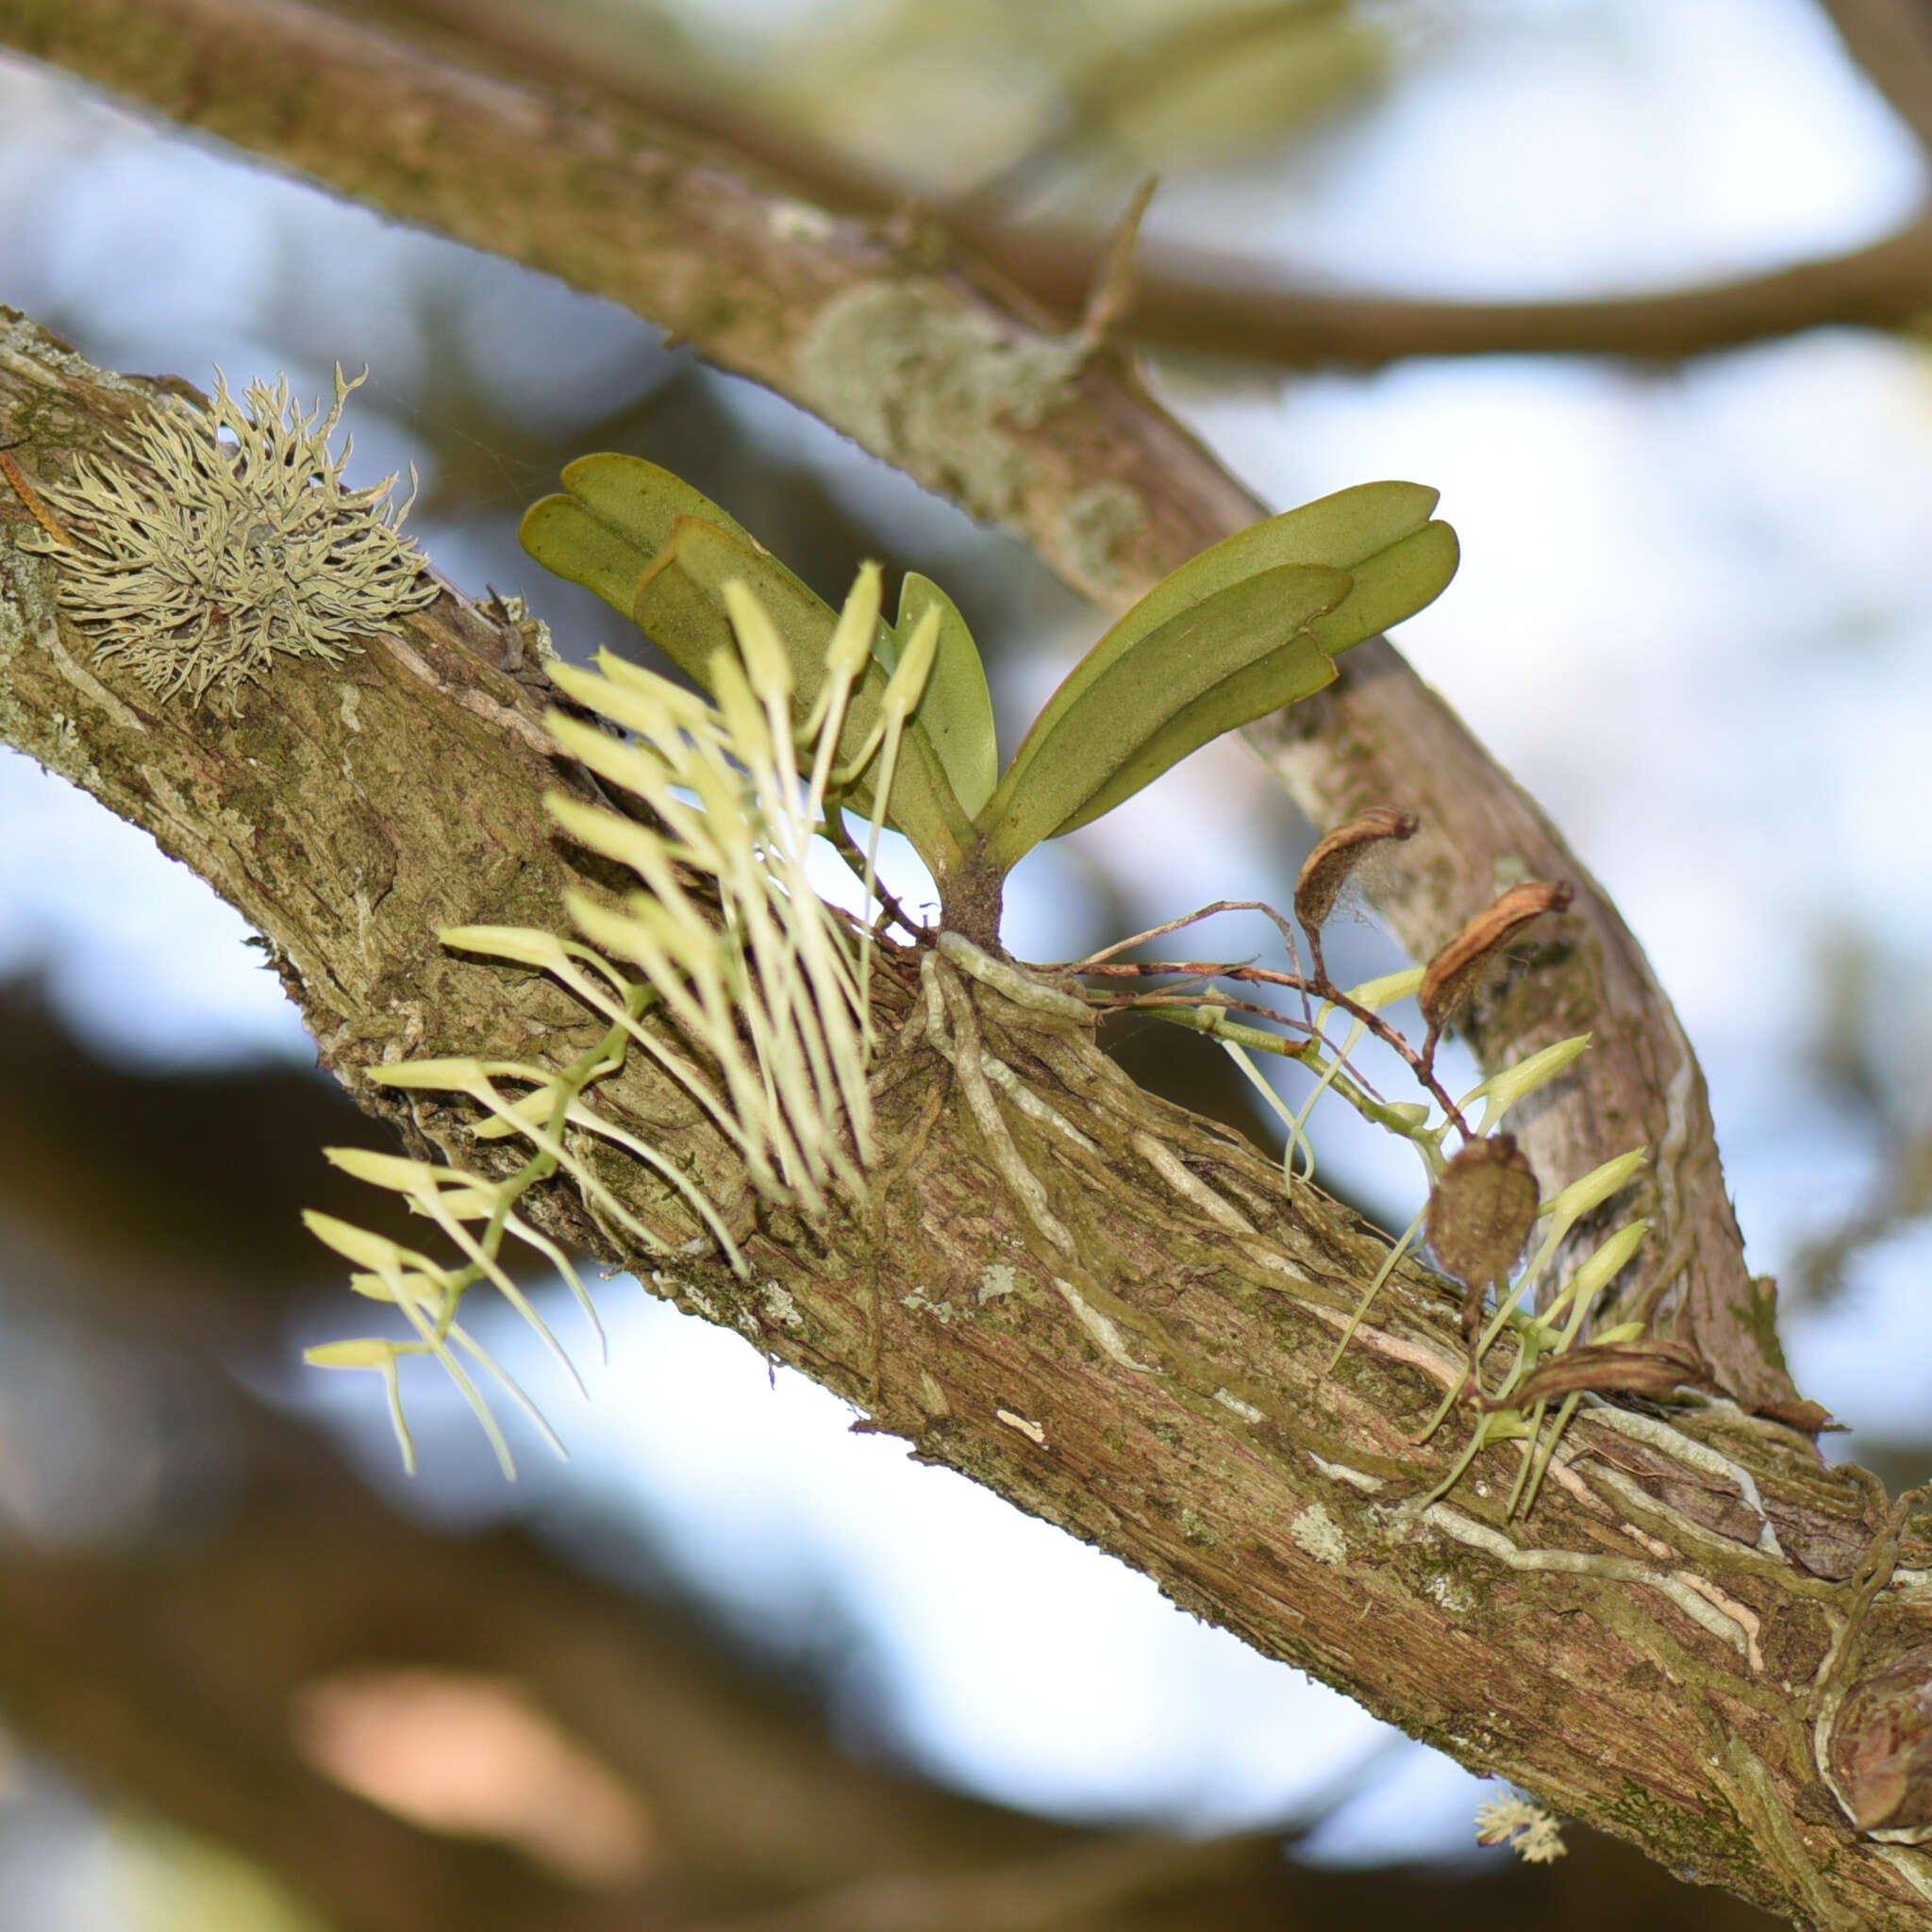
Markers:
(1144, 697)
(617, 517)
(1343, 532)
(1297, 671)
(679, 599)
(1393, 584)
(955, 713)
(661, 552)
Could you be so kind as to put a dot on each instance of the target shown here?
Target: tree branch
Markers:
(930, 369)
(1648, 1652)
(1218, 305)
(167, 1683)
(1208, 303)
(1891, 41)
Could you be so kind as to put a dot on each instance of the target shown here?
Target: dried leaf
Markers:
(1881, 1746)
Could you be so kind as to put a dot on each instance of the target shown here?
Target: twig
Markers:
(1104, 321)
(1327, 991)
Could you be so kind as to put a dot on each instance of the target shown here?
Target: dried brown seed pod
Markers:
(1330, 863)
(1454, 972)
(1481, 1211)
(1880, 1751)
(1653, 1366)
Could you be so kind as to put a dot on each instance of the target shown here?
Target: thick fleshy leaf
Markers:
(1341, 532)
(679, 599)
(1297, 671)
(659, 551)
(1154, 698)
(570, 543)
(617, 517)
(955, 713)
(1391, 585)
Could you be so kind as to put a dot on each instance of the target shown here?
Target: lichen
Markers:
(996, 1279)
(931, 386)
(208, 544)
(1524, 1826)
(1318, 1533)
(1092, 526)
(778, 1306)
(28, 341)
(1197, 1529)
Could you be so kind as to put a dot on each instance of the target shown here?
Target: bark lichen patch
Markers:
(1093, 525)
(25, 342)
(206, 545)
(1318, 1534)
(777, 1303)
(931, 388)
(996, 1279)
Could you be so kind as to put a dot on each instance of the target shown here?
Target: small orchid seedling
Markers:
(1252, 625)
(725, 970)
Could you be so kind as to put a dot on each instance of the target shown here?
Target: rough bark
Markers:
(888, 335)
(1648, 1652)
(161, 1672)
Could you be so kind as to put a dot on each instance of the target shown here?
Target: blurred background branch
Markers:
(1203, 88)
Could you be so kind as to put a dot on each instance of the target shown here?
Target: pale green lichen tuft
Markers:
(209, 544)
(1525, 1826)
